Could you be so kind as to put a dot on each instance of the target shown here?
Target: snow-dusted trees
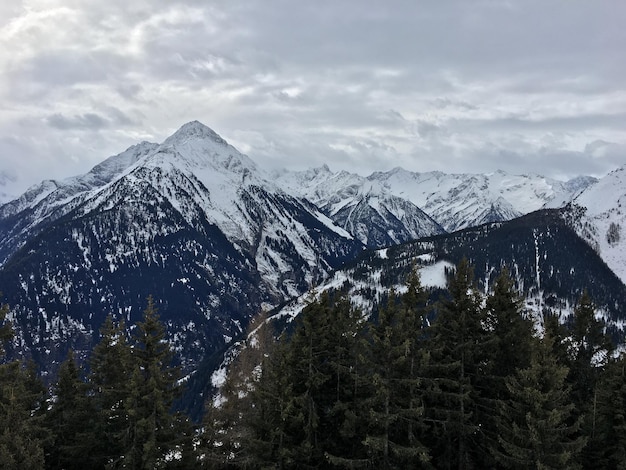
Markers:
(323, 372)
(111, 368)
(476, 389)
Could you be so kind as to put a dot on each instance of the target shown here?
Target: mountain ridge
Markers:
(190, 222)
(216, 239)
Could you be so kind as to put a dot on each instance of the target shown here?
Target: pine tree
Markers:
(535, 428)
(245, 424)
(346, 420)
(71, 414)
(560, 336)
(457, 359)
(396, 404)
(110, 370)
(275, 436)
(6, 330)
(588, 352)
(269, 440)
(230, 417)
(589, 349)
(22, 404)
(210, 455)
(151, 431)
(510, 332)
(22, 431)
(318, 368)
(508, 349)
(306, 352)
(610, 416)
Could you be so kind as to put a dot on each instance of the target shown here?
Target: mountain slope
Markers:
(215, 239)
(191, 222)
(44, 203)
(550, 263)
(599, 215)
(362, 207)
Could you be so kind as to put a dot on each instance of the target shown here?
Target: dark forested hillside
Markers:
(550, 264)
(474, 388)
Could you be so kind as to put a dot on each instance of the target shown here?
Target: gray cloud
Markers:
(522, 85)
(86, 121)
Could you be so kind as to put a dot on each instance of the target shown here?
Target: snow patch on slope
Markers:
(605, 212)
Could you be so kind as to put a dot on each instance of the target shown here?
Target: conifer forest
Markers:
(454, 381)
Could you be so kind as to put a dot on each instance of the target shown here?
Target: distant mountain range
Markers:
(454, 201)
(215, 239)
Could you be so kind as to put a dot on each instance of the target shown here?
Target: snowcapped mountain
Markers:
(603, 217)
(195, 171)
(49, 200)
(361, 206)
(191, 222)
(459, 201)
(451, 201)
(215, 239)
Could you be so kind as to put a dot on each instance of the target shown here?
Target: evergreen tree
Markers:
(210, 455)
(395, 362)
(320, 421)
(269, 441)
(71, 414)
(560, 336)
(535, 429)
(457, 345)
(110, 370)
(510, 332)
(588, 351)
(271, 438)
(151, 432)
(610, 417)
(306, 358)
(508, 349)
(22, 404)
(6, 330)
(346, 419)
(22, 432)
(229, 425)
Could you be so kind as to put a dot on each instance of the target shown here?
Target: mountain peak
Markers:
(195, 130)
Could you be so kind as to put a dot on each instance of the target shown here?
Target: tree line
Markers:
(118, 415)
(463, 382)
(478, 387)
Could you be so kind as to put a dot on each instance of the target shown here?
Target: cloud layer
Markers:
(520, 85)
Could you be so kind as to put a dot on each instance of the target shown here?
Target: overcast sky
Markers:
(457, 85)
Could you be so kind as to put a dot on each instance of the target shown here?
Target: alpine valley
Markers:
(215, 239)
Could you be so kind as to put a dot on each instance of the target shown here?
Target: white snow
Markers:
(454, 200)
(605, 204)
(433, 275)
